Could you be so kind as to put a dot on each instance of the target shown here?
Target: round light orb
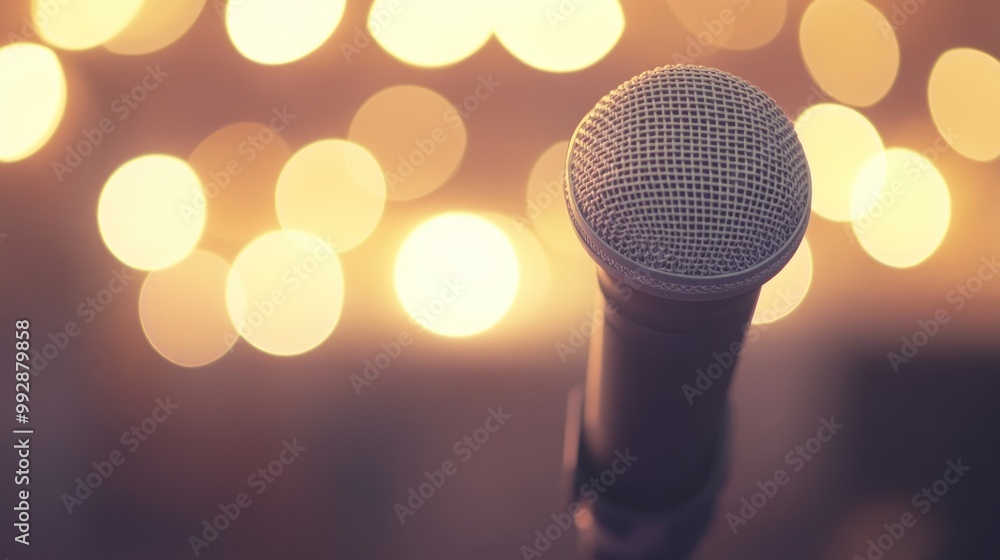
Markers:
(559, 35)
(964, 96)
(417, 136)
(82, 24)
(144, 212)
(157, 25)
(902, 216)
(545, 208)
(850, 49)
(285, 292)
(281, 31)
(457, 274)
(787, 290)
(32, 99)
(431, 33)
(239, 165)
(838, 142)
(333, 189)
(183, 310)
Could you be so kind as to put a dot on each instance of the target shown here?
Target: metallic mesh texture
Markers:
(693, 172)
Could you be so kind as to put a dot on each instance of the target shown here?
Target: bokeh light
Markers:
(730, 24)
(144, 212)
(82, 24)
(32, 99)
(900, 217)
(157, 25)
(333, 189)
(457, 274)
(281, 31)
(964, 96)
(285, 292)
(183, 310)
(786, 291)
(557, 35)
(431, 33)
(838, 142)
(850, 50)
(533, 264)
(239, 165)
(545, 207)
(417, 136)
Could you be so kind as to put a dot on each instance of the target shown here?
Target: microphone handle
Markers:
(636, 406)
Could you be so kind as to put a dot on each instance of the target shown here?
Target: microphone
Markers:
(689, 188)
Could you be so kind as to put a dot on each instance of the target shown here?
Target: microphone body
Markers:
(666, 447)
(690, 189)
(646, 351)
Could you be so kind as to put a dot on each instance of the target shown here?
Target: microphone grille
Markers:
(690, 181)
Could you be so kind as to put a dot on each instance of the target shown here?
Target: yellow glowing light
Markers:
(333, 189)
(281, 31)
(730, 24)
(545, 208)
(32, 98)
(417, 136)
(82, 24)
(964, 95)
(850, 50)
(430, 33)
(239, 165)
(838, 142)
(157, 25)
(457, 274)
(285, 292)
(783, 293)
(559, 36)
(901, 217)
(144, 212)
(183, 310)
(534, 267)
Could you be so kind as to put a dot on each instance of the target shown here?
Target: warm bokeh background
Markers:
(903, 147)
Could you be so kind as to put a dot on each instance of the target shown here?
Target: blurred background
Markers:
(304, 250)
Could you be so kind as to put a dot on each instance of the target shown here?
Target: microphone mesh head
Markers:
(688, 183)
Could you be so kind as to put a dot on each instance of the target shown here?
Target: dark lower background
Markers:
(365, 452)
